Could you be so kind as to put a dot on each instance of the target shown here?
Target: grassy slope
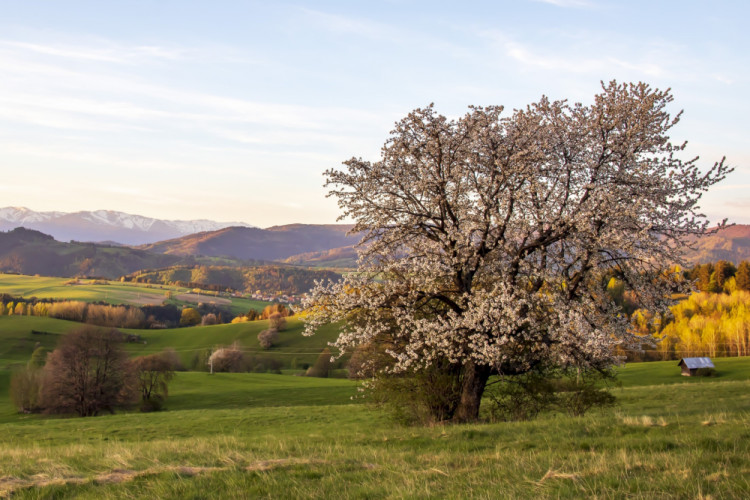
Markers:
(17, 342)
(246, 436)
(43, 287)
(186, 341)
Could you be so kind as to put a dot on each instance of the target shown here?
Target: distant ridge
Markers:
(275, 243)
(731, 244)
(105, 225)
(27, 251)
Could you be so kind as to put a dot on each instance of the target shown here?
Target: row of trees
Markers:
(712, 322)
(90, 373)
(704, 324)
(122, 316)
(721, 276)
(290, 280)
(272, 310)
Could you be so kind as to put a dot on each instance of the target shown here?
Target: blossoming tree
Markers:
(486, 237)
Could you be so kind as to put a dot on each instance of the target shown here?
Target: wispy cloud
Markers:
(52, 94)
(573, 55)
(101, 51)
(574, 4)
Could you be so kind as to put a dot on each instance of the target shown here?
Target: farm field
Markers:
(255, 435)
(115, 292)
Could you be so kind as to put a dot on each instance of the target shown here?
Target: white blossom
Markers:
(486, 238)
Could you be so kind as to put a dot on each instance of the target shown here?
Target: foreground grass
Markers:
(249, 436)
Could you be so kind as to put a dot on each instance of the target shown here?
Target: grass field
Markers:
(17, 340)
(274, 436)
(115, 292)
(282, 436)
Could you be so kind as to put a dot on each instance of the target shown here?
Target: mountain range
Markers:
(105, 225)
(277, 243)
(31, 252)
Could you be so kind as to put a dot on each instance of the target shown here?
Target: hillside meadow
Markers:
(277, 436)
(19, 335)
(249, 435)
(115, 292)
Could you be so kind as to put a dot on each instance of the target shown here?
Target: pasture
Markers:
(19, 335)
(281, 436)
(115, 292)
(255, 435)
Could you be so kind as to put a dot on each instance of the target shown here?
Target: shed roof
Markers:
(692, 363)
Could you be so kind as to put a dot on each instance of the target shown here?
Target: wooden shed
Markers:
(690, 366)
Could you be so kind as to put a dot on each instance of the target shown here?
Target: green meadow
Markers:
(113, 292)
(279, 436)
(19, 335)
(249, 435)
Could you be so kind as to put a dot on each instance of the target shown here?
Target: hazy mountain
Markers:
(731, 244)
(30, 252)
(335, 257)
(105, 225)
(274, 243)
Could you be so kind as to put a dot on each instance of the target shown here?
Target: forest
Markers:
(269, 279)
(714, 321)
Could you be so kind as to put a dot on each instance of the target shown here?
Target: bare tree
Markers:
(487, 236)
(153, 374)
(87, 373)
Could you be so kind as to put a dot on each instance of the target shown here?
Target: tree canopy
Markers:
(486, 237)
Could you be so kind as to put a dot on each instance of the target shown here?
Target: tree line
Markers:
(289, 280)
(714, 321)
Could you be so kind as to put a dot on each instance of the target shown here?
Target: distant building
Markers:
(690, 366)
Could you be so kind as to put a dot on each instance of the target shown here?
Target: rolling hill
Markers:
(731, 244)
(27, 251)
(274, 243)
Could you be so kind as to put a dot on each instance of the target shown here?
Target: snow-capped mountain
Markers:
(105, 225)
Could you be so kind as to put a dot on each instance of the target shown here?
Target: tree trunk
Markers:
(474, 381)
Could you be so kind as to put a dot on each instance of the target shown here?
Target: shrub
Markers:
(322, 365)
(705, 372)
(38, 357)
(25, 389)
(520, 397)
(200, 360)
(263, 364)
(267, 338)
(190, 317)
(209, 319)
(572, 391)
(228, 359)
(173, 358)
(424, 397)
(277, 322)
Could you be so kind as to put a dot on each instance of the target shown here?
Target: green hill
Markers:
(20, 334)
(289, 280)
(31, 252)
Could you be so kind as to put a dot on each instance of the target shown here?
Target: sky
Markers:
(232, 110)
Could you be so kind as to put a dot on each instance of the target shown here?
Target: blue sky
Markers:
(232, 110)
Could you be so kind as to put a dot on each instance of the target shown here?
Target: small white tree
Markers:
(488, 236)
